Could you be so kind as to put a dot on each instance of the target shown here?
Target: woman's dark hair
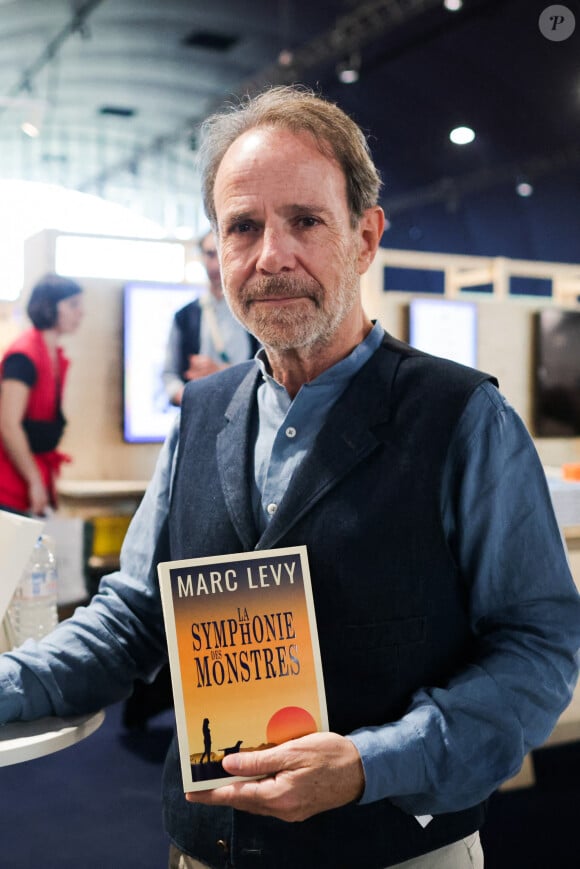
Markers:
(45, 296)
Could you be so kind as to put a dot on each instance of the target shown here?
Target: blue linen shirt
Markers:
(233, 336)
(454, 745)
(288, 428)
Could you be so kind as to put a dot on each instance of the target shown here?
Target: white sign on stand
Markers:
(18, 534)
(67, 535)
(565, 498)
(26, 740)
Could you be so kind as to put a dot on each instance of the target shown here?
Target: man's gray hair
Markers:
(298, 110)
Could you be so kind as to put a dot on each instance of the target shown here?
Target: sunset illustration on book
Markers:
(243, 655)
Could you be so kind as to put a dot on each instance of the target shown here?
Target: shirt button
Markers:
(271, 508)
(290, 432)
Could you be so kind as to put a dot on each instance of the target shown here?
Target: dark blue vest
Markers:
(391, 606)
(188, 321)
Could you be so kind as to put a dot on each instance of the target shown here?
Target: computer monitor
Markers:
(444, 327)
(148, 310)
(556, 376)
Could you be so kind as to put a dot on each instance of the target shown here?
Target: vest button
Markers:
(223, 846)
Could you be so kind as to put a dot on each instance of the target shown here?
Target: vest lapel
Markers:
(234, 456)
(355, 426)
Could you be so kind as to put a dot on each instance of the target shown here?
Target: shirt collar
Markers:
(339, 373)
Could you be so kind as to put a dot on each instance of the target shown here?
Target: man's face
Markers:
(290, 259)
(210, 261)
(69, 313)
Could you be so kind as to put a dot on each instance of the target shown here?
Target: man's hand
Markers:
(302, 777)
(201, 366)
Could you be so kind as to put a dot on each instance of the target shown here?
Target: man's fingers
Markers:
(253, 763)
(298, 779)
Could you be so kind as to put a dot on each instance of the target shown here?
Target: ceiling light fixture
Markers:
(30, 129)
(348, 71)
(453, 5)
(524, 188)
(30, 110)
(32, 113)
(33, 118)
(462, 135)
(285, 58)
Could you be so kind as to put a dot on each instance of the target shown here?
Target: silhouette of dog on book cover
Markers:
(207, 768)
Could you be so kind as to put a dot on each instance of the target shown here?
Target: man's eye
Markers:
(308, 221)
(242, 227)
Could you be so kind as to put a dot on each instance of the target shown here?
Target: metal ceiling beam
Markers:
(349, 33)
(75, 25)
(452, 190)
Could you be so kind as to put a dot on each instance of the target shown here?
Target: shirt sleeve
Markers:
(455, 745)
(92, 660)
(18, 366)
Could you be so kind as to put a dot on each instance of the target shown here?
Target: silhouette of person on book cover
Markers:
(206, 741)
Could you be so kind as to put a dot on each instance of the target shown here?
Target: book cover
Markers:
(243, 655)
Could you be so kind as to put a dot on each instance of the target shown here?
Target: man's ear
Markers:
(370, 232)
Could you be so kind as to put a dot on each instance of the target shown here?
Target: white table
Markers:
(27, 740)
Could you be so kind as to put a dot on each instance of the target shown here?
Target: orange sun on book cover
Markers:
(243, 654)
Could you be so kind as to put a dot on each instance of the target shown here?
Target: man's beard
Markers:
(311, 322)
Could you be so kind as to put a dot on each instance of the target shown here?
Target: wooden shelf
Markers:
(102, 488)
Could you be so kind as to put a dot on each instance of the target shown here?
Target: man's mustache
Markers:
(277, 287)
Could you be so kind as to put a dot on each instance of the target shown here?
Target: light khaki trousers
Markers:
(465, 854)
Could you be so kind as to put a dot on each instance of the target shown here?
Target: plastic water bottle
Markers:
(33, 611)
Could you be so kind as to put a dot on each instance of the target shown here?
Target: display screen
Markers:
(444, 327)
(556, 388)
(148, 310)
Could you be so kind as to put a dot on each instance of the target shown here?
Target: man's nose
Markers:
(276, 253)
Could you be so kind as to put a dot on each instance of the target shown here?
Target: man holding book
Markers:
(448, 621)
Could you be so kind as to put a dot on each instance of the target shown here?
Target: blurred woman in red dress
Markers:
(32, 377)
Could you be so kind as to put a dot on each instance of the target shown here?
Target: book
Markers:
(243, 655)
